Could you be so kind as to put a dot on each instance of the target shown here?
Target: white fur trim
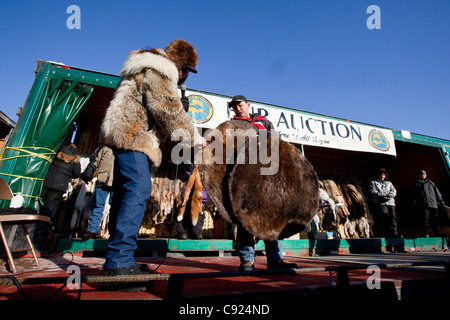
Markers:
(137, 62)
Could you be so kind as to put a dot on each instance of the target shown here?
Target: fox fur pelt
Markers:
(270, 207)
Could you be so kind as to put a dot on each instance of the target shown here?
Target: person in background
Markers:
(103, 187)
(384, 192)
(246, 241)
(65, 166)
(427, 199)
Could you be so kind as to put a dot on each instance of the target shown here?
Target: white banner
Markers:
(209, 110)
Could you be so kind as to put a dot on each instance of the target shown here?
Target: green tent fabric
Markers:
(48, 115)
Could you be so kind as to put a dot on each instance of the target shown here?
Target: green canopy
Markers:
(52, 106)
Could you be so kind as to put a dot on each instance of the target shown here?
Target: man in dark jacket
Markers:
(65, 166)
(427, 199)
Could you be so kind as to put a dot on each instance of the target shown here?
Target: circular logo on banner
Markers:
(378, 140)
(200, 109)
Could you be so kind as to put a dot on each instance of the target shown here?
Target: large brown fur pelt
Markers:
(270, 207)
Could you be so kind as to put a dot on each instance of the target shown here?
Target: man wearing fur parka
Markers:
(145, 110)
(65, 166)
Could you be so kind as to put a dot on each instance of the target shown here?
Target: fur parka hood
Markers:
(66, 166)
(146, 108)
(68, 154)
(142, 59)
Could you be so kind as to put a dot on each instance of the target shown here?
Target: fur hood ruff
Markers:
(136, 63)
(67, 158)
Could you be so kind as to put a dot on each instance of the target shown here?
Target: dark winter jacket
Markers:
(426, 194)
(65, 166)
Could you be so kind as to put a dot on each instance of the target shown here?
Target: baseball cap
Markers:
(237, 99)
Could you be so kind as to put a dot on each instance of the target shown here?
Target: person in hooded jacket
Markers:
(145, 110)
(65, 166)
(384, 192)
(427, 199)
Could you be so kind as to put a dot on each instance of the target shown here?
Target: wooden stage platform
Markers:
(183, 274)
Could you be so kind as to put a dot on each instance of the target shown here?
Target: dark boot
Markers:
(280, 265)
(181, 231)
(197, 230)
(247, 266)
(135, 286)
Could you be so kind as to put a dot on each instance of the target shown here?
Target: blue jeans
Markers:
(132, 188)
(246, 247)
(100, 195)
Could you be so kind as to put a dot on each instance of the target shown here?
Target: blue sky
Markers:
(313, 55)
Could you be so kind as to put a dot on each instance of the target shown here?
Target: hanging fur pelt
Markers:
(357, 204)
(270, 206)
(335, 193)
(193, 186)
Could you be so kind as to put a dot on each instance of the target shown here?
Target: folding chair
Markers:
(17, 218)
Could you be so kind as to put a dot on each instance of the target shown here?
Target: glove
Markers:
(185, 103)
